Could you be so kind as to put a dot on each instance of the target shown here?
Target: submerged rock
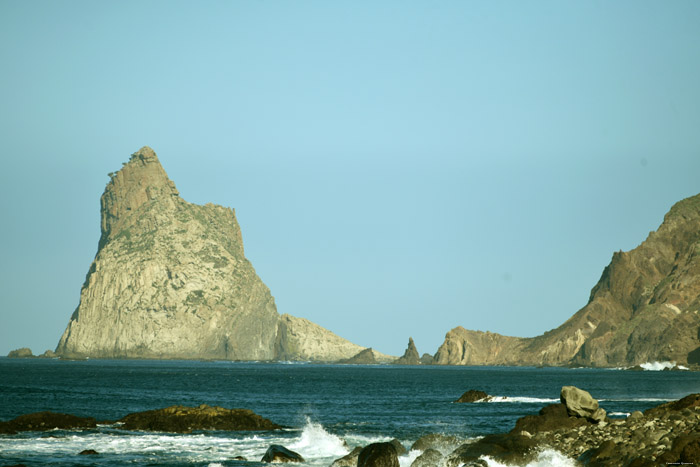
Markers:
(378, 455)
(88, 452)
(277, 453)
(44, 421)
(474, 395)
(180, 419)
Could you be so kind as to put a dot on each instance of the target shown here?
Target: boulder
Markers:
(443, 443)
(378, 455)
(180, 419)
(24, 352)
(429, 458)
(550, 418)
(279, 454)
(349, 460)
(579, 403)
(44, 421)
(400, 449)
(474, 395)
(505, 448)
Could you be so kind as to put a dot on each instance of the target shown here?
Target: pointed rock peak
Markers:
(140, 181)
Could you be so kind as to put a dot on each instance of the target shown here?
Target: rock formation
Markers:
(645, 307)
(170, 280)
(364, 357)
(410, 356)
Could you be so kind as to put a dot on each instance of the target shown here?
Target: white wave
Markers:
(657, 366)
(619, 414)
(316, 442)
(523, 400)
(407, 459)
(545, 458)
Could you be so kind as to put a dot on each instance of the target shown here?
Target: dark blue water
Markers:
(319, 404)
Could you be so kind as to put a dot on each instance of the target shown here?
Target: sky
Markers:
(398, 168)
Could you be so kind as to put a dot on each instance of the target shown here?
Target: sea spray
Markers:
(545, 458)
(316, 442)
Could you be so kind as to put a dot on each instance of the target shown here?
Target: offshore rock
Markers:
(24, 352)
(365, 357)
(277, 453)
(170, 280)
(410, 356)
(645, 307)
(44, 421)
(180, 419)
(474, 395)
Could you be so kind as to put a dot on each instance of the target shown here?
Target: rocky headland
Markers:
(644, 308)
(170, 280)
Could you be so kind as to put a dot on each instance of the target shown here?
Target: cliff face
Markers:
(170, 280)
(644, 307)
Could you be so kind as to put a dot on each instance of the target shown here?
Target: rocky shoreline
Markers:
(577, 427)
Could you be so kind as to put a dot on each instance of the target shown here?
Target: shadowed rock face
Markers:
(410, 356)
(170, 280)
(645, 307)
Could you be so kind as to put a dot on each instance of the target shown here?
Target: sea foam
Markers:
(315, 442)
(523, 400)
(545, 458)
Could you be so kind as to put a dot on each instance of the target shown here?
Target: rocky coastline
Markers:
(577, 428)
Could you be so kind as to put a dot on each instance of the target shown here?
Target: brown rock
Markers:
(364, 357)
(44, 421)
(410, 356)
(24, 352)
(279, 454)
(180, 419)
(474, 395)
(378, 455)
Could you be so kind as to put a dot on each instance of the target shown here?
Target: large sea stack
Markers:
(170, 280)
(644, 308)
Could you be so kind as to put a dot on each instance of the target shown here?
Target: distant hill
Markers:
(644, 308)
(170, 280)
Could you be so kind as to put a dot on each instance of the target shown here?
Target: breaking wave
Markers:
(523, 400)
(545, 458)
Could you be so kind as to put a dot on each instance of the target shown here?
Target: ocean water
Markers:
(327, 409)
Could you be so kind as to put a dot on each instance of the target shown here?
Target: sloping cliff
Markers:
(170, 280)
(645, 307)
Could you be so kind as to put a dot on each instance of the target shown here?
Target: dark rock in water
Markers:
(24, 352)
(277, 453)
(378, 455)
(88, 452)
(550, 418)
(239, 458)
(429, 458)
(49, 354)
(443, 443)
(410, 356)
(580, 403)
(508, 449)
(426, 359)
(688, 402)
(44, 421)
(474, 395)
(364, 357)
(349, 460)
(180, 419)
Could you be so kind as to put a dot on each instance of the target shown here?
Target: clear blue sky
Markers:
(398, 168)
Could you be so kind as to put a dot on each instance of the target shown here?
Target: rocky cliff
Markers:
(170, 280)
(644, 308)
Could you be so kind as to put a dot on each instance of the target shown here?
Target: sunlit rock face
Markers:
(645, 307)
(170, 280)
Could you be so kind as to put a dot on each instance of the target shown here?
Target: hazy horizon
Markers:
(397, 168)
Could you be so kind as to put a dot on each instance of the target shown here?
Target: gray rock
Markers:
(429, 458)
(279, 454)
(579, 403)
(349, 460)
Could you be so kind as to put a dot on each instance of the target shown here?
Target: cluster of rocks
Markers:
(581, 430)
(26, 352)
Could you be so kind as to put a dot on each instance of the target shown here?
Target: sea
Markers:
(327, 410)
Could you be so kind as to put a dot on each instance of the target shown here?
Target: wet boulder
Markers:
(443, 443)
(429, 458)
(279, 454)
(378, 455)
(505, 448)
(349, 460)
